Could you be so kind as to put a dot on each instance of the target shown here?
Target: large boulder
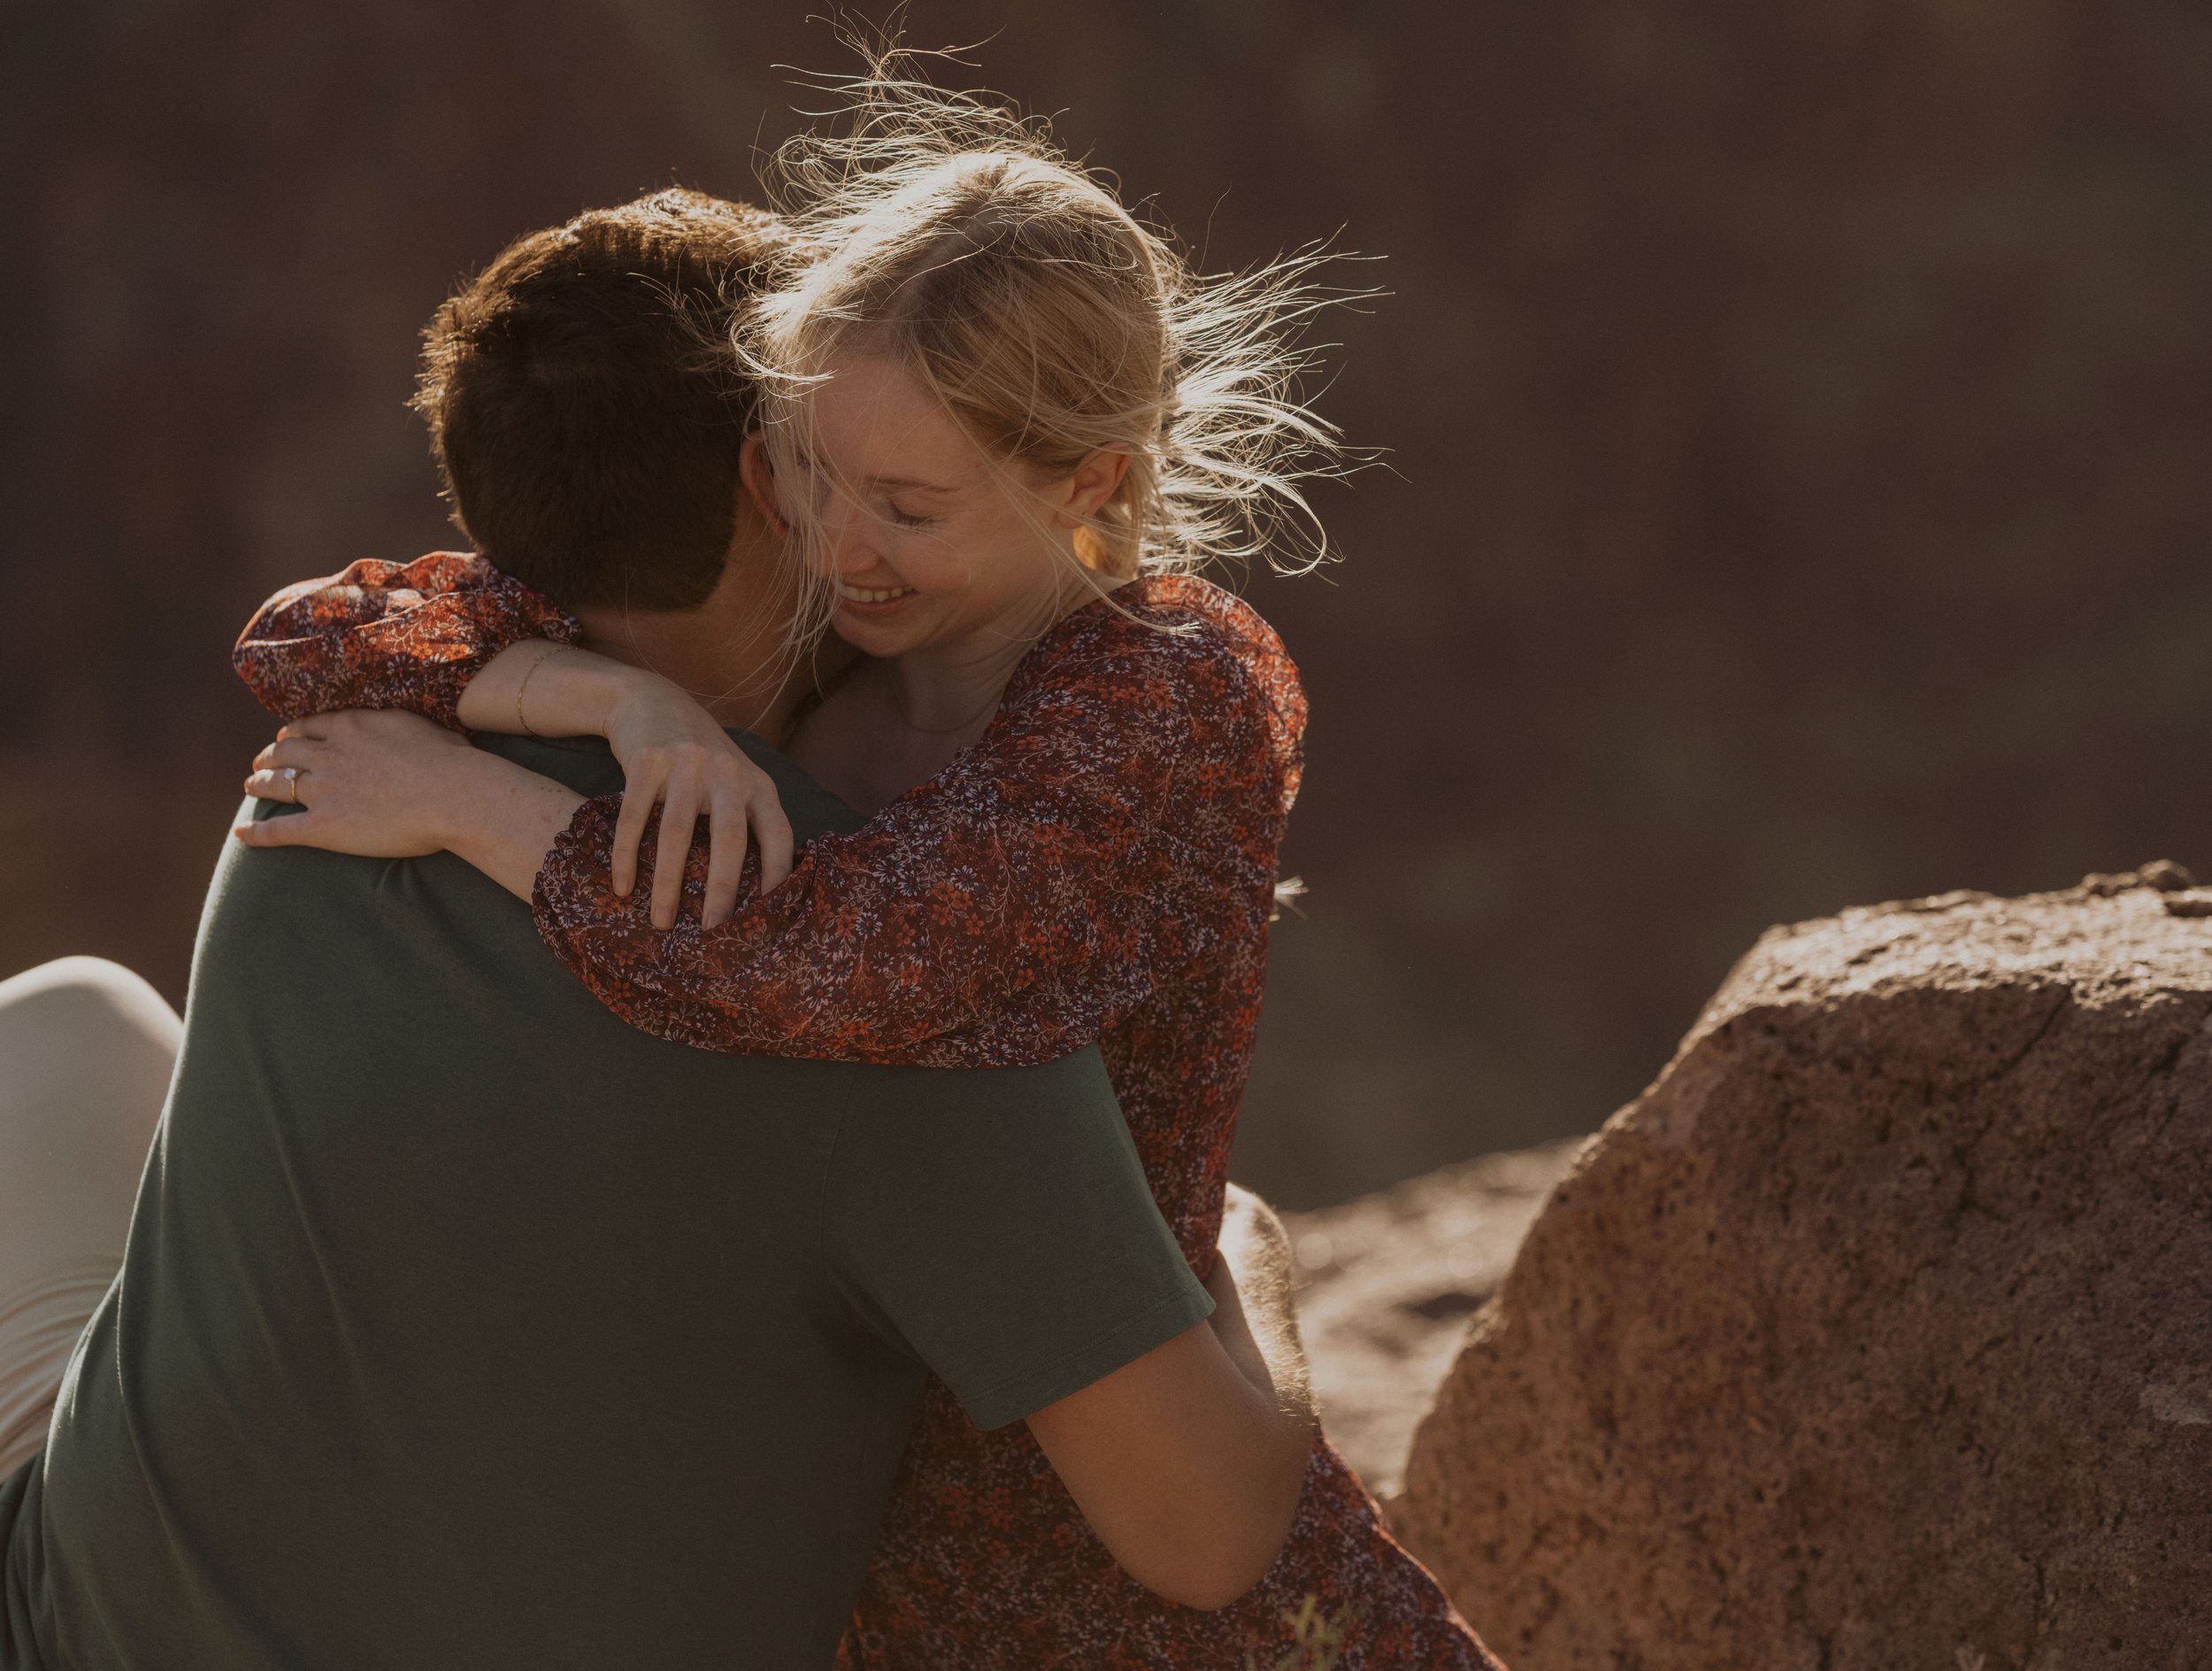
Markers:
(1877, 1332)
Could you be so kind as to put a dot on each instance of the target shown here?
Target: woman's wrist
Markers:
(542, 689)
(500, 817)
(620, 693)
(584, 694)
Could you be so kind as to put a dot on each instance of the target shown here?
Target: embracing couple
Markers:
(699, 1133)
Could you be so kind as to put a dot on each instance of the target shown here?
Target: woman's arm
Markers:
(407, 636)
(393, 786)
(1115, 824)
(452, 638)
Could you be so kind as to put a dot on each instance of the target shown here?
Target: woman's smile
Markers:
(869, 603)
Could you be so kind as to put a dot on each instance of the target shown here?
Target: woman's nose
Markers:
(846, 548)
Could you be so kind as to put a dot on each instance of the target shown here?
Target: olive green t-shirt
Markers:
(463, 1325)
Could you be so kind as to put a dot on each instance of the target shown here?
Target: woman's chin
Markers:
(880, 629)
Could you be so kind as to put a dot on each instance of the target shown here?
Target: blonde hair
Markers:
(957, 238)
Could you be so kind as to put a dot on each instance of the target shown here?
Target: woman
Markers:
(1007, 423)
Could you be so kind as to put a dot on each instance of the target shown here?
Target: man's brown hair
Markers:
(584, 409)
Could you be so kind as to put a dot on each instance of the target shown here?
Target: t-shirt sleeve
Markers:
(997, 1221)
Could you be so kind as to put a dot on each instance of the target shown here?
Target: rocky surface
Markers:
(1876, 1332)
(1386, 1285)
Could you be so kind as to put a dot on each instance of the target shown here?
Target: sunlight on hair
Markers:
(1010, 282)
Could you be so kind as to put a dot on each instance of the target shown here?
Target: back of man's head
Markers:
(586, 412)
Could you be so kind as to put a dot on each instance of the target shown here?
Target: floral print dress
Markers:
(1099, 866)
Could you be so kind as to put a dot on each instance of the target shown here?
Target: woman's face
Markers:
(926, 545)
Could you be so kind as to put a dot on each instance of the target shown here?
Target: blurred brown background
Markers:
(1799, 420)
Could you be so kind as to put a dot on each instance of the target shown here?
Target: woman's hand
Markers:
(393, 785)
(376, 784)
(676, 755)
(673, 753)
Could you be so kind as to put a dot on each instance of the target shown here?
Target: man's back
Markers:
(463, 1325)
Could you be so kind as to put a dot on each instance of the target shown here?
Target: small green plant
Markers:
(1317, 1638)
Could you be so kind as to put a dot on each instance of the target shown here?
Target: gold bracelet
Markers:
(528, 673)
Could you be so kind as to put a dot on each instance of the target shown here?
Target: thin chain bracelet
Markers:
(528, 673)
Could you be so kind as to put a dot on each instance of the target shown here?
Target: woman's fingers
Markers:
(298, 751)
(725, 859)
(286, 783)
(270, 784)
(279, 832)
(738, 799)
(679, 813)
(638, 801)
(772, 831)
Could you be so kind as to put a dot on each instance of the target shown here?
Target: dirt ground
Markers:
(1386, 1285)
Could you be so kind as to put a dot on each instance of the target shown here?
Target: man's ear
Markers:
(758, 473)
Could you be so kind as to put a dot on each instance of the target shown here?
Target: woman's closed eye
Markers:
(907, 518)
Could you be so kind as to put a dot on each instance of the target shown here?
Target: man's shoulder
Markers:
(360, 926)
(432, 948)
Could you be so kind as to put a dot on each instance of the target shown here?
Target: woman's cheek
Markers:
(931, 566)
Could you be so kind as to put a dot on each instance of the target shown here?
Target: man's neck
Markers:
(733, 652)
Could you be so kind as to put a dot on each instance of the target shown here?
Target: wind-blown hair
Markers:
(958, 240)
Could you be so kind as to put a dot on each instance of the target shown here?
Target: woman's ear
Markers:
(1094, 481)
(758, 471)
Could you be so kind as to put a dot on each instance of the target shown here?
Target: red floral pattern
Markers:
(390, 636)
(1100, 867)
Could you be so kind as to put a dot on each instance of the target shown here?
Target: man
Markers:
(461, 1324)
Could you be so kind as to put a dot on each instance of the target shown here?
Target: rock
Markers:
(1877, 1332)
(2161, 873)
(1386, 1283)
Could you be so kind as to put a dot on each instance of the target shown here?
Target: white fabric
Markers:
(86, 1052)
